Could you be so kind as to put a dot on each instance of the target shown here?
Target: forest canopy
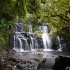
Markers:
(54, 13)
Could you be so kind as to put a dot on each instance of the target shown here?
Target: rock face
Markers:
(62, 63)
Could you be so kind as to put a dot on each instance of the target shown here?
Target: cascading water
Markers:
(20, 44)
(23, 41)
(14, 42)
(31, 32)
(59, 49)
(46, 40)
(26, 44)
(30, 29)
(34, 43)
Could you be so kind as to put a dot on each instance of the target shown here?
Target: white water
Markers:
(14, 42)
(33, 44)
(59, 49)
(23, 45)
(30, 29)
(20, 44)
(46, 39)
(36, 43)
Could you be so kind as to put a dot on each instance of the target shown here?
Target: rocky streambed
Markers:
(29, 60)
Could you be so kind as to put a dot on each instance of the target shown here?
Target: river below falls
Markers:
(33, 56)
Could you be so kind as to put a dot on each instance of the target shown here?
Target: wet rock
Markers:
(24, 62)
(37, 60)
(14, 66)
(14, 60)
(10, 63)
(33, 64)
(42, 64)
(30, 65)
(61, 63)
(20, 66)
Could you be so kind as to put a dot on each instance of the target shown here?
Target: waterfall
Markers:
(30, 28)
(31, 38)
(26, 44)
(14, 42)
(46, 39)
(32, 43)
(23, 40)
(36, 43)
(59, 43)
(20, 44)
(15, 48)
(28, 40)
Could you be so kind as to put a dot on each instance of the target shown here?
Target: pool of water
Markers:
(33, 56)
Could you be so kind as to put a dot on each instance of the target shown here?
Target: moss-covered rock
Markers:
(42, 64)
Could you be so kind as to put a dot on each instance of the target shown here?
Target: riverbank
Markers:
(29, 60)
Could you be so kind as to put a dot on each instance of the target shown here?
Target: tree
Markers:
(55, 13)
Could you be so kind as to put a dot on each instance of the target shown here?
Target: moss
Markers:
(42, 64)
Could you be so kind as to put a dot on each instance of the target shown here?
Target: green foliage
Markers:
(38, 33)
(4, 31)
(55, 14)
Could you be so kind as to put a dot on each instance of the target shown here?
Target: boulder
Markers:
(61, 63)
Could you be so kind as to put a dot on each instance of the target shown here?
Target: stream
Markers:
(28, 60)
